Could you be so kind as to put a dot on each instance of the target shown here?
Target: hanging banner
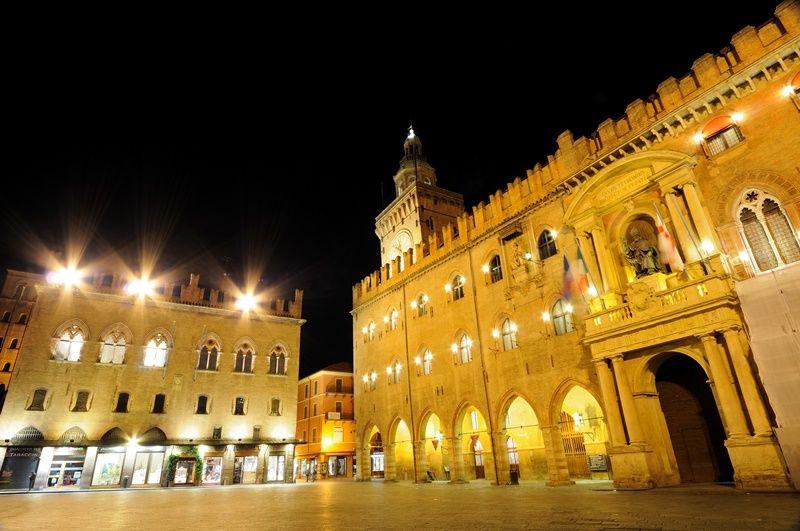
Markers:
(435, 443)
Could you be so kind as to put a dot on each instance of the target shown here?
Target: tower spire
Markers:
(414, 166)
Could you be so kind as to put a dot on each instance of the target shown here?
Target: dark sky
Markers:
(248, 144)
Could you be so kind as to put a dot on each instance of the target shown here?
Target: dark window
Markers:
(316, 390)
(273, 363)
(202, 405)
(244, 361)
(6, 317)
(81, 401)
(107, 280)
(158, 403)
(19, 291)
(122, 403)
(338, 407)
(220, 297)
(23, 318)
(217, 433)
(547, 245)
(314, 410)
(208, 359)
(207, 294)
(37, 404)
(281, 364)
(306, 384)
(339, 385)
(496, 269)
(1, 342)
(7, 367)
(239, 407)
(13, 343)
(176, 290)
(275, 407)
(305, 412)
(256, 432)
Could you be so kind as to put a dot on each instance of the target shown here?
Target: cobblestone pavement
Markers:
(378, 505)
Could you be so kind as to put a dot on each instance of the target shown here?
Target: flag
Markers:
(667, 251)
(581, 273)
(568, 279)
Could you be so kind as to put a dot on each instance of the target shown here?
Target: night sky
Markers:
(265, 148)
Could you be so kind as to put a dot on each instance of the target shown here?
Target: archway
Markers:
(375, 448)
(476, 445)
(584, 435)
(403, 453)
(693, 421)
(437, 462)
(524, 441)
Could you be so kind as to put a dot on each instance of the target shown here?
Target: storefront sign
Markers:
(597, 463)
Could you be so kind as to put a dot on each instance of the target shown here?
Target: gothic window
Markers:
(244, 359)
(546, 244)
(113, 349)
(23, 318)
(769, 234)
(208, 359)
(37, 402)
(421, 304)
(70, 344)
(458, 287)
(508, 332)
(393, 317)
(122, 403)
(427, 362)
(393, 371)
(371, 331)
(562, 317)
(495, 269)
(155, 353)
(464, 349)
(81, 402)
(277, 361)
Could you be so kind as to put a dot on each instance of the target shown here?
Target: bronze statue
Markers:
(641, 254)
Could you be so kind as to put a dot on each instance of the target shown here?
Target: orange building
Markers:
(325, 424)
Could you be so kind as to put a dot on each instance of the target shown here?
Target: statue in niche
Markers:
(640, 252)
(517, 257)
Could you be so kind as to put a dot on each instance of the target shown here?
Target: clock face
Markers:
(401, 243)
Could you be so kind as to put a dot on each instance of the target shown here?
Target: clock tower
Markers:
(419, 208)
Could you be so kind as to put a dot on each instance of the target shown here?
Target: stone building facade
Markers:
(179, 386)
(17, 297)
(326, 426)
(584, 323)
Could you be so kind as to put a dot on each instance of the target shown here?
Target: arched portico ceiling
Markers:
(622, 179)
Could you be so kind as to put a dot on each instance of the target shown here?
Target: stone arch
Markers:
(239, 343)
(399, 452)
(115, 437)
(434, 459)
(164, 333)
(473, 451)
(153, 436)
(27, 434)
(73, 435)
(371, 456)
(521, 446)
(210, 337)
(644, 377)
(119, 326)
(726, 197)
(75, 321)
(565, 387)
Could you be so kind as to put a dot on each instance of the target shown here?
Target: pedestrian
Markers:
(31, 480)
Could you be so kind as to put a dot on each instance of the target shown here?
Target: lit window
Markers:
(722, 140)
(562, 317)
(422, 305)
(767, 230)
(427, 362)
(394, 372)
(546, 245)
(371, 330)
(496, 269)
(113, 349)
(393, 316)
(465, 349)
(458, 287)
(70, 344)
(509, 334)
(155, 355)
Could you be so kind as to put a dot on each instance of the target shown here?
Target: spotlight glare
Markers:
(246, 303)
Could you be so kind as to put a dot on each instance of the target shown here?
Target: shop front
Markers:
(245, 465)
(148, 466)
(212, 468)
(18, 464)
(66, 467)
(276, 467)
(108, 467)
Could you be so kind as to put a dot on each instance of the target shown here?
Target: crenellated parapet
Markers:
(754, 58)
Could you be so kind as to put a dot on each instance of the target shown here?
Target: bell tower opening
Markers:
(693, 421)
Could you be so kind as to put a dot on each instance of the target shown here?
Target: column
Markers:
(699, 215)
(88, 467)
(626, 400)
(690, 251)
(726, 393)
(610, 403)
(747, 383)
(389, 465)
(556, 460)
(364, 464)
(607, 269)
(420, 462)
(500, 451)
(457, 474)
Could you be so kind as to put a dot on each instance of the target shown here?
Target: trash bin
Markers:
(125, 480)
(513, 477)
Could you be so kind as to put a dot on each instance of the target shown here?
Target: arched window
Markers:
(277, 361)
(208, 359)
(14, 343)
(23, 318)
(421, 304)
(70, 344)
(427, 362)
(546, 244)
(244, 359)
(6, 317)
(769, 234)
(7, 366)
(393, 317)
(562, 317)
(371, 331)
(155, 353)
(458, 287)
(508, 331)
(495, 269)
(113, 349)
(463, 348)
(393, 371)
